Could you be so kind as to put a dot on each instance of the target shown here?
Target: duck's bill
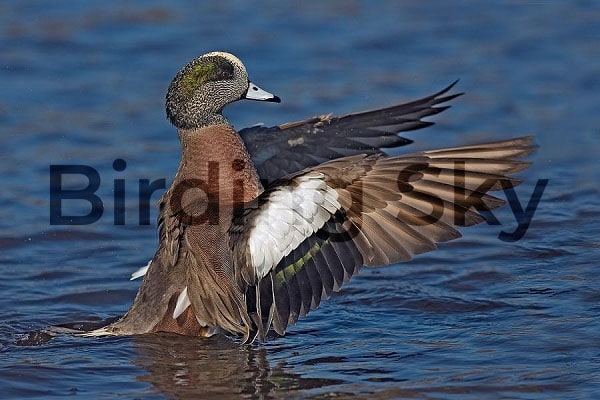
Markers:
(256, 93)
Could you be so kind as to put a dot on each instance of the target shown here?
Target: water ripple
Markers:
(84, 83)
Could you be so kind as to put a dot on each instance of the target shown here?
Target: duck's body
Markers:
(236, 257)
(194, 239)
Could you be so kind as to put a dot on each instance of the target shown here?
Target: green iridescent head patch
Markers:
(207, 71)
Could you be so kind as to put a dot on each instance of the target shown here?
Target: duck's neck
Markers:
(215, 156)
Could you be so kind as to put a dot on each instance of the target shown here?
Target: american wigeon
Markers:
(261, 225)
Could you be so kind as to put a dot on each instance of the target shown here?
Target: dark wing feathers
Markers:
(387, 210)
(311, 273)
(282, 150)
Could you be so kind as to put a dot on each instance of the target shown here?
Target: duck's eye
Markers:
(225, 74)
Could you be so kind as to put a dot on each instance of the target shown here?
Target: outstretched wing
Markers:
(282, 150)
(311, 232)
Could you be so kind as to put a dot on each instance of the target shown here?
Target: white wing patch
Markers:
(183, 302)
(140, 272)
(292, 213)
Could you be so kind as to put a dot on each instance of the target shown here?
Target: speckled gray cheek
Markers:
(202, 88)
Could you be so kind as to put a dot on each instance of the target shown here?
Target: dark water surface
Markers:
(84, 83)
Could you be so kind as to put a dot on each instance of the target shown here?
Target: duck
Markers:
(260, 226)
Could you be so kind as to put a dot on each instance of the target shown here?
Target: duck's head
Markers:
(205, 85)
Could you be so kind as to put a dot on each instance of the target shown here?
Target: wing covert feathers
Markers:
(311, 232)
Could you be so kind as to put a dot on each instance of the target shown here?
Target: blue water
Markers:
(84, 83)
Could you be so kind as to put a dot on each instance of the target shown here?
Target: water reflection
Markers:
(180, 366)
(216, 367)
